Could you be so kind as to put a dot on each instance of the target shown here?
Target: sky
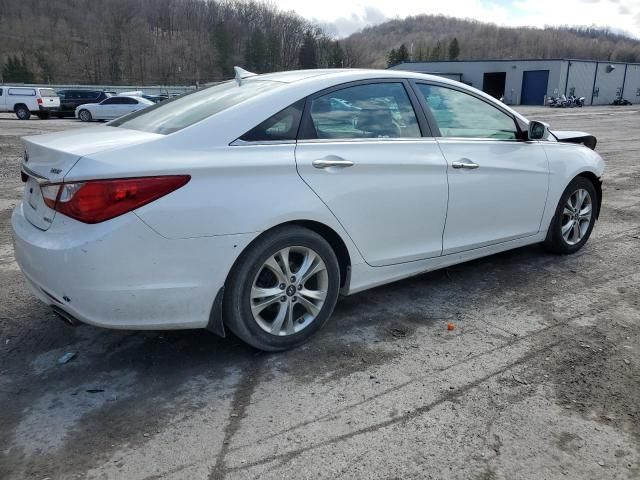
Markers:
(342, 17)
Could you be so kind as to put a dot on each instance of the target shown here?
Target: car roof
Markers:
(343, 74)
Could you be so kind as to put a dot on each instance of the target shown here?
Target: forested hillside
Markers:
(154, 41)
(199, 41)
(429, 37)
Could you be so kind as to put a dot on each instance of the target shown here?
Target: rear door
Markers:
(366, 151)
(498, 180)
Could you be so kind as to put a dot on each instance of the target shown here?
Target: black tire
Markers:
(555, 241)
(43, 115)
(85, 115)
(237, 313)
(22, 112)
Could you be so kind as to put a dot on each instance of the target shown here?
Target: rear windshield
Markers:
(175, 114)
(47, 92)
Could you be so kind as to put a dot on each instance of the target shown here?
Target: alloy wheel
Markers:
(576, 216)
(289, 290)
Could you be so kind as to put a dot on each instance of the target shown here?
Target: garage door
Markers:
(534, 87)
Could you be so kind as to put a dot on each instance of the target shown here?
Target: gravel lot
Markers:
(540, 378)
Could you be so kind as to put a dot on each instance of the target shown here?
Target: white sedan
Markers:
(112, 107)
(252, 204)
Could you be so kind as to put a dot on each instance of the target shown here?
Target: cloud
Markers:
(344, 26)
(342, 17)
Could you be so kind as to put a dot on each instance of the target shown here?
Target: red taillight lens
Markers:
(95, 201)
(39, 101)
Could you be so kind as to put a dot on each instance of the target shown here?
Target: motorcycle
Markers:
(621, 101)
(576, 101)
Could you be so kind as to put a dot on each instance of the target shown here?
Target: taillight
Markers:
(95, 201)
(39, 101)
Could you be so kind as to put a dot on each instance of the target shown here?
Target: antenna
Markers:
(241, 73)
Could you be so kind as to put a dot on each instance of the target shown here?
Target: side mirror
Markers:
(538, 130)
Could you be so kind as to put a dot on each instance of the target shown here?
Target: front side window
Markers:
(375, 110)
(281, 126)
(110, 101)
(175, 114)
(459, 114)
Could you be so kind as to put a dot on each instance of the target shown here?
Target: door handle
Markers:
(464, 163)
(332, 161)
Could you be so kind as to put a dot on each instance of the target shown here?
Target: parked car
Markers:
(24, 101)
(252, 204)
(155, 98)
(71, 99)
(110, 108)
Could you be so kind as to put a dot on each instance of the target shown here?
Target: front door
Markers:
(364, 155)
(497, 182)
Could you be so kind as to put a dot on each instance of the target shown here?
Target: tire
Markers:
(563, 241)
(259, 270)
(22, 112)
(43, 115)
(85, 115)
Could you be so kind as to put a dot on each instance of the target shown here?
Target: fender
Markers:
(583, 138)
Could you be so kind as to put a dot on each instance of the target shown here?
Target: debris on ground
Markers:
(94, 390)
(451, 326)
(67, 357)
(398, 332)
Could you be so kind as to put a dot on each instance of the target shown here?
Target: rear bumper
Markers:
(42, 108)
(121, 274)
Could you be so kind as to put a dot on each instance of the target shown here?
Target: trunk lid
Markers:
(48, 158)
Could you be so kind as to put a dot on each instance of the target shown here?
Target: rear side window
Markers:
(373, 110)
(281, 126)
(47, 92)
(110, 101)
(173, 115)
(459, 114)
(28, 92)
(1, 91)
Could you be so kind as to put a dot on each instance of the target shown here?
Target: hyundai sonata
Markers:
(252, 204)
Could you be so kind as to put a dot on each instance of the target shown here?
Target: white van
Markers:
(24, 101)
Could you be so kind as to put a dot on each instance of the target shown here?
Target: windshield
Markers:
(175, 114)
(47, 92)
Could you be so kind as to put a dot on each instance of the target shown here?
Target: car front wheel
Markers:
(574, 219)
(282, 289)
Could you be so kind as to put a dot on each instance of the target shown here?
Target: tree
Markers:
(256, 52)
(436, 52)
(392, 58)
(336, 55)
(16, 71)
(307, 56)
(403, 54)
(454, 49)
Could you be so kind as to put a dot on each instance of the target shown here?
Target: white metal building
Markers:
(528, 82)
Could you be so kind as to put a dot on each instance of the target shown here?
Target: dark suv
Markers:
(70, 99)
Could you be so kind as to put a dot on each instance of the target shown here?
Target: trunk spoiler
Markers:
(583, 138)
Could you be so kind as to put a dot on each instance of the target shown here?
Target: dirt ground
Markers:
(539, 380)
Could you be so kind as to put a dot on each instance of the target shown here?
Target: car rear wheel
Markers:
(85, 115)
(283, 289)
(574, 219)
(22, 112)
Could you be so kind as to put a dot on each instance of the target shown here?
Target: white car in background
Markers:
(111, 108)
(253, 203)
(24, 101)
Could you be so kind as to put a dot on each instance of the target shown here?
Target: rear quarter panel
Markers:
(233, 189)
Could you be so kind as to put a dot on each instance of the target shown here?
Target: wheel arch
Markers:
(216, 321)
(18, 105)
(597, 184)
